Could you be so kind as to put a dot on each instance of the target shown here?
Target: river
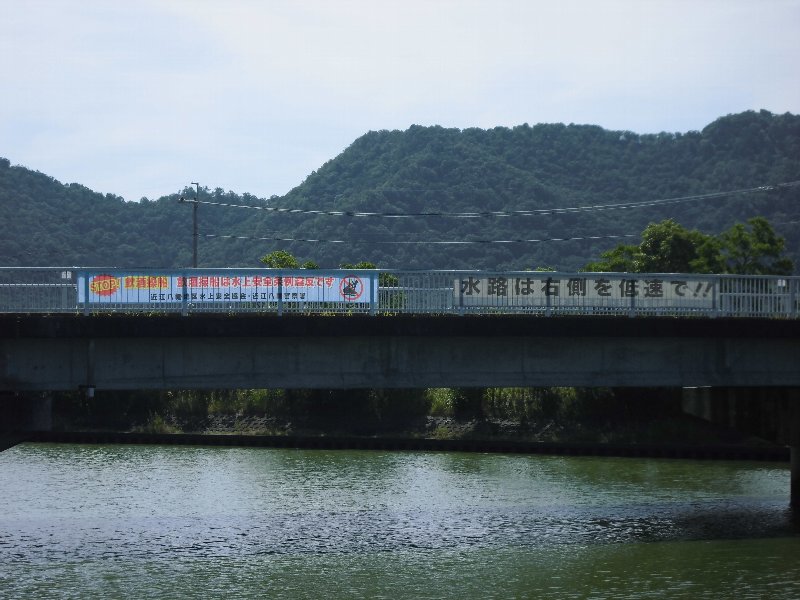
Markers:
(90, 521)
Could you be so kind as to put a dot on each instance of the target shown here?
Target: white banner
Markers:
(593, 290)
(121, 288)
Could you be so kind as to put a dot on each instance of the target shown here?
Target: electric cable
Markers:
(511, 213)
(420, 242)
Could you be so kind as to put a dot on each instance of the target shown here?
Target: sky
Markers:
(140, 98)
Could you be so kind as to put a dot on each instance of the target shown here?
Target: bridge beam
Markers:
(211, 352)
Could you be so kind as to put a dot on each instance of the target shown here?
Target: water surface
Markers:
(80, 521)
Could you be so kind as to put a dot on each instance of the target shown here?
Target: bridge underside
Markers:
(211, 352)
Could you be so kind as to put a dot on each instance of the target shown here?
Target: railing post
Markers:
(184, 296)
(65, 303)
(787, 296)
(548, 311)
(460, 297)
(280, 296)
(85, 294)
(715, 298)
(374, 278)
(632, 309)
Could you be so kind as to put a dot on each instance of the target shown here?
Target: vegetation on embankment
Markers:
(644, 416)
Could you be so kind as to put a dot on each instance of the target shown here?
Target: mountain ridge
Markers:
(432, 170)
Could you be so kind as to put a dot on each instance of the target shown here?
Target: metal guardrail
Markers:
(90, 291)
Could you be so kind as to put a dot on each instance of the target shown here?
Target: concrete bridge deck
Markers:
(208, 351)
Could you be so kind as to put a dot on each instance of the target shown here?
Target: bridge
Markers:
(65, 329)
(68, 329)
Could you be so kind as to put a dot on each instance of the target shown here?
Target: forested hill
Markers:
(440, 171)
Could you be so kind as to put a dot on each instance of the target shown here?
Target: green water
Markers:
(82, 521)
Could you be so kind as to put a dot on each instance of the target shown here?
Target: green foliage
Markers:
(187, 403)
(109, 410)
(364, 412)
(754, 249)
(385, 280)
(359, 265)
(441, 401)
(248, 403)
(157, 424)
(566, 404)
(280, 259)
(436, 170)
(467, 403)
(621, 259)
(530, 405)
(668, 247)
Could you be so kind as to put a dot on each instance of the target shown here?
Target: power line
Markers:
(420, 242)
(512, 213)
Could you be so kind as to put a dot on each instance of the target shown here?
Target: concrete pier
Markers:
(42, 412)
(32, 411)
(794, 485)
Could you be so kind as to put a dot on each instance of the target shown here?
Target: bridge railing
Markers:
(553, 293)
(335, 291)
(38, 290)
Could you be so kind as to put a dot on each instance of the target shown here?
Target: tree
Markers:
(668, 247)
(709, 257)
(281, 259)
(754, 251)
(542, 167)
(384, 279)
(621, 259)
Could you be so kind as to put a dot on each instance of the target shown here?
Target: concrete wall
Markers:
(66, 353)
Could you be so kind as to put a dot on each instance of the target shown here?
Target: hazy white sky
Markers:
(139, 98)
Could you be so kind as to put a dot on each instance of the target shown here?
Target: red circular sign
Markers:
(351, 288)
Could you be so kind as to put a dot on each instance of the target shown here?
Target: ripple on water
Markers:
(81, 517)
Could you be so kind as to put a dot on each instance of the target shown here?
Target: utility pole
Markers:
(194, 224)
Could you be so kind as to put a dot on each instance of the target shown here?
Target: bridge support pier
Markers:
(26, 412)
(794, 485)
(42, 412)
(792, 416)
(772, 413)
(794, 444)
